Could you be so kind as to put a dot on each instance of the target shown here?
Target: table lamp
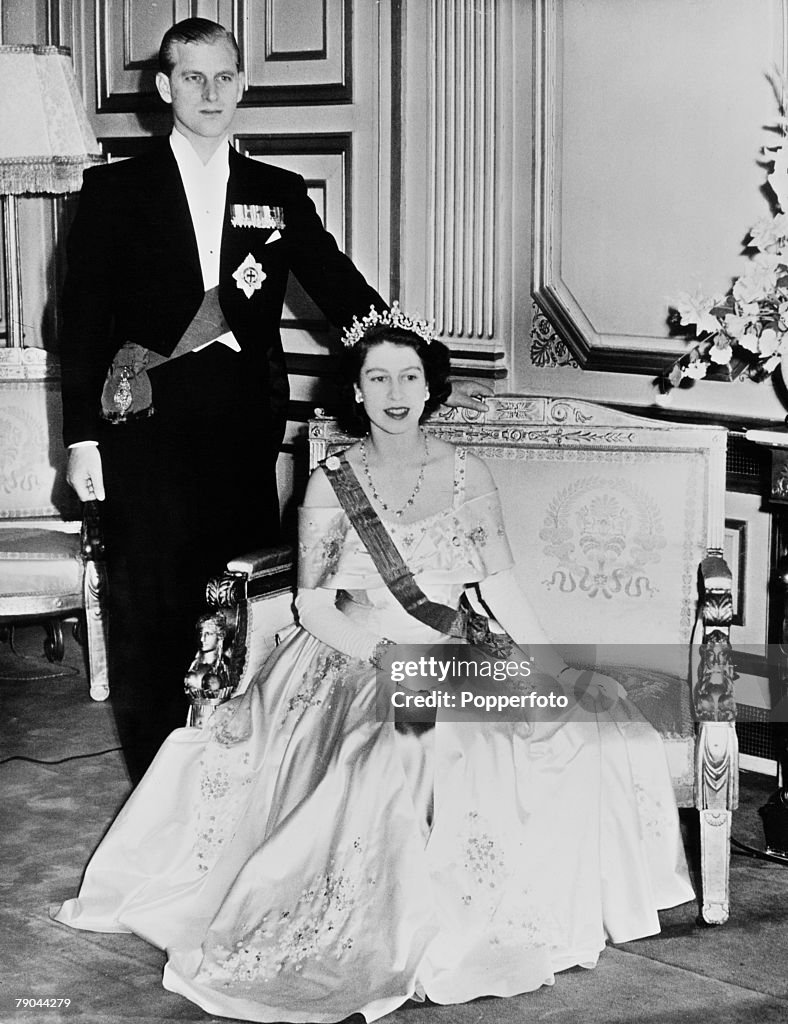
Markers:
(45, 144)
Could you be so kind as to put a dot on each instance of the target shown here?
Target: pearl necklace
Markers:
(395, 511)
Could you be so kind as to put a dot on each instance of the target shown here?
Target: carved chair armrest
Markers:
(92, 536)
(716, 576)
(94, 592)
(252, 576)
(716, 747)
(264, 561)
(713, 697)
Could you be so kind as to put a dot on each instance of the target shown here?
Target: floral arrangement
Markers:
(746, 331)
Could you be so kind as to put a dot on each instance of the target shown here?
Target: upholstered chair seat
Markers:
(40, 572)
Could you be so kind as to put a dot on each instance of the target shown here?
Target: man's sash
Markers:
(127, 390)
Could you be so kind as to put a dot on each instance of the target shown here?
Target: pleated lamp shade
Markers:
(46, 140)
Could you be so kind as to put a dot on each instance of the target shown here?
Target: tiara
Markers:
(393, 317)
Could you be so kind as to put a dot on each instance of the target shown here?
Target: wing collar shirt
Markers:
(206, 193)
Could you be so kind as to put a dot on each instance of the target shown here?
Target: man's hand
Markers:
(469, 394)
(84, 472)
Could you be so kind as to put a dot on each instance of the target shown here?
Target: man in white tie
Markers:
(174, 382)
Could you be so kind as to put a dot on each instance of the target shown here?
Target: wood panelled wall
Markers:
(469, 153)
(398, 113)
(465, 212)
(318, 102)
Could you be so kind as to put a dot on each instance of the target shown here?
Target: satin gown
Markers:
(301, 860)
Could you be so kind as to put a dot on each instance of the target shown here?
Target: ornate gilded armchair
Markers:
(616, 523)
(51, 552)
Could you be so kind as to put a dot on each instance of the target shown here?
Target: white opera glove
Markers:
(84, 471)
(504, 597)
(318, 614)
(511, 608)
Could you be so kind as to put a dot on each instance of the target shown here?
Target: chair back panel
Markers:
(602, 541)
(32, 457)
(608, 516)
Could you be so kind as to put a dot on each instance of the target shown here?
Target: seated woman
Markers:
(299, 858)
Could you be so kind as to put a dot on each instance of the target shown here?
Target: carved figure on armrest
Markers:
(207, 682)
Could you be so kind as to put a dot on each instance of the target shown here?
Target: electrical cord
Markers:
(60, 760)
(754, 852)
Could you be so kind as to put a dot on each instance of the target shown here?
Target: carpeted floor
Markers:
(52, 816)
(16, 666)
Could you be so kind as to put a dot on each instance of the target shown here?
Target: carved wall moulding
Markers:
(462, 185)
(548, 349)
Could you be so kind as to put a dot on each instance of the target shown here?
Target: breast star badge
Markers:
(249, 276)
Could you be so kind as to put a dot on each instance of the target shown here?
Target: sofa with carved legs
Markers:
(616, 523)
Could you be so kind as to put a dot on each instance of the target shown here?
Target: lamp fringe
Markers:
(34, 175)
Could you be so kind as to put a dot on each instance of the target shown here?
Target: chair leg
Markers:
(54, 645)
(716, 795)
(95, 592)
(715, 838)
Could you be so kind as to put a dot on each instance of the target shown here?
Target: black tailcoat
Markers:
(193, 484)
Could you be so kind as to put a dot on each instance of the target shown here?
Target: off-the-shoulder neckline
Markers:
(396, 523)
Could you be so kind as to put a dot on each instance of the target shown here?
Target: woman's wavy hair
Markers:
(434, 357)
